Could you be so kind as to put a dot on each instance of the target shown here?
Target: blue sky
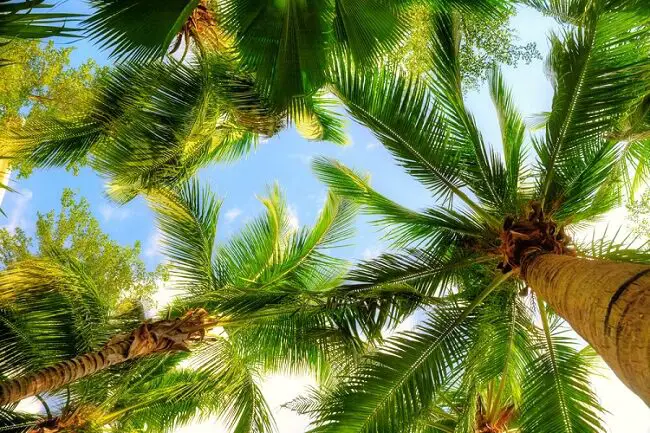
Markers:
(286, 159)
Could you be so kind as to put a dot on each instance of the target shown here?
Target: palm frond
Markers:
(557, 393)
(369, 30)
(483, 170)
(284, 43)
(615, 245)
(155, 125)
(598, 74)
(244, 407)
(50, 310)
(168, 401)
(21, 19)
(503, 349)
(406, 226)
(579, 12)
(512, 133)
(421, 272)
(401, 113)
(390, 387)
(187, 219)
(140, 30)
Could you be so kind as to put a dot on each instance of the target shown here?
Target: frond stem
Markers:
(48, 412)
(551, 351)
(565, 124)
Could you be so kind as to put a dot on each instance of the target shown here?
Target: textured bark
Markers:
(148, 338)
(607, 303)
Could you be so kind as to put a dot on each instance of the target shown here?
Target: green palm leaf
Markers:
(187, 219)
(390, 388)
(483, 169)
(557, 396)
(284, 42)
(512, 133)
(155, 125)
(139, 30)
(50, 310)
(598, 72)
(18, 19)
(401, 113)
(244, 408)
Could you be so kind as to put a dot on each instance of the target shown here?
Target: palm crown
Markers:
(513, 209)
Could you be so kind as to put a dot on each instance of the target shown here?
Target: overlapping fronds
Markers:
(513, 132)
(599, 71)
(423, 273)
(51, 310)
(243, 406)
(391, 387)
(154, 125)
(616, 245)
(167, 401)
(482, 170)
(29, 19)
(556, 391)
(430, 227)
(187, 220)
(401, 113)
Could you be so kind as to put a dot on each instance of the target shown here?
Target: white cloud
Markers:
(302, 157)
(626, 410)
(152, 248)
(280, 389)
(30, 405)
(17, 213)
(232, 214)
(371, 253)
(114, 213)
(292, 215)
(372, 145)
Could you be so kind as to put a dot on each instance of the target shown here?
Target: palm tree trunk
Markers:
(63, 373)
(607, 303)
(148, 338)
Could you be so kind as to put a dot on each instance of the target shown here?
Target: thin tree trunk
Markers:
(148, 338)
(607, 303)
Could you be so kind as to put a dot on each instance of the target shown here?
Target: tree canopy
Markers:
(490, 271)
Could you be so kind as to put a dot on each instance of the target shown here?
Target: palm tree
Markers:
(154, 125)
(476, 362)
(515, 215)
(271, 290)
(40, 325)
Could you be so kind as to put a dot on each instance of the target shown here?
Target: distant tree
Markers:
(117, 270)
(485, 42)
(39, 82)
(639, 214)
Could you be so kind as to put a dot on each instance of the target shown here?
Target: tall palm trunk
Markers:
(607, 303)
(148, 338)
